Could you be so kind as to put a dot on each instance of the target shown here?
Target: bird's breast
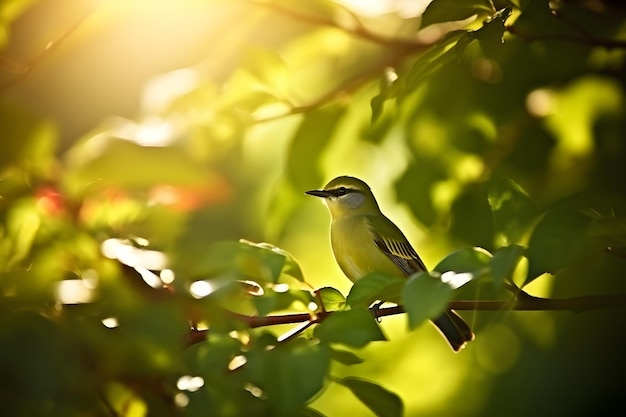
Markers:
(355, 250)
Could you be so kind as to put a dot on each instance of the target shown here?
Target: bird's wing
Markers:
(400, 251)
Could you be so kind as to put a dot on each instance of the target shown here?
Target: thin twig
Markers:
(21, 71)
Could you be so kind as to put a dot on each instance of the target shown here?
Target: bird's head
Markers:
(346, 196)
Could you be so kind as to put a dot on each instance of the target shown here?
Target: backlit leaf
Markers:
(425, 296)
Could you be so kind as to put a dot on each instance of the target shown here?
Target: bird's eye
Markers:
(341, 191)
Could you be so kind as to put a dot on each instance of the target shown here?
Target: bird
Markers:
(364, 240)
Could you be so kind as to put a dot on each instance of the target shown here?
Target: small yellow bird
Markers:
(364, 240)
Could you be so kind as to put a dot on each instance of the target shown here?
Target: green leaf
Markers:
(120, 162)
(433, 59)
(309, 412)
(331, 299)
(439, 11)
(556, 241)
(511, 207)
(290, 267)
(28, 141)
(345, 357)
(375, 287)
(23, 222)
(289, 374)
(388, 88)
(504, 262)
(269, 69)
(275, 301)
(469, 260)
(313, 135)
(355, 328)
(493, 29)
(425, 296)
(240, 261)
(381, 401)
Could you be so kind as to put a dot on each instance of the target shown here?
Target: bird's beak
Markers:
(319, 193)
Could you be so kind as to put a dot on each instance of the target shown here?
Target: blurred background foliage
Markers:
(141, 140)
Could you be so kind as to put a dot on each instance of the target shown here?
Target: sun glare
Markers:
(73, 291)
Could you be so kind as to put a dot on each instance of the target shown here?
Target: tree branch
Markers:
(21, 71)
(523, 302)
(358, 30)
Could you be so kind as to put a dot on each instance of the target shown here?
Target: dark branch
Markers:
(524, 302)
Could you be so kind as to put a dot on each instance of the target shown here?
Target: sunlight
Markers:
(456, 280)
(149, 277)
(253, 389)
(167, 276)
(181, 400)
(237, 362)
(154, 132)
(161, 90)
(110, 322)
(190, 383)
(73, 291)
(90, 278)
(280, 288)
(540, 102)
(404, 8)
(200, 289)
(129, 255)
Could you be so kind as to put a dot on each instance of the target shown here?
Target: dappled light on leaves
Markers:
(110, 322)
(201, 289)
(540, 102)
(456, 280)
(158, 255)
(190, 383)
(133, 256)
(73, 291)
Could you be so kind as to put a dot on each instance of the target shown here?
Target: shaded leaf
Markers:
(289, 373)
(439, 11)
(375, 287)
(381, 401)
(309, 412)
(493, 28)
(345, 357)
(504, 262)
(511, 207)
(271, 300)
(354, 328)
(424, 297)
(291, 266)
(557, 239)
(433, 59)
(472, 260)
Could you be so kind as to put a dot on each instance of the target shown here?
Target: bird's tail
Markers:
(454, 329)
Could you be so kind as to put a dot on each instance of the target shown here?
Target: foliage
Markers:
(130, 280)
